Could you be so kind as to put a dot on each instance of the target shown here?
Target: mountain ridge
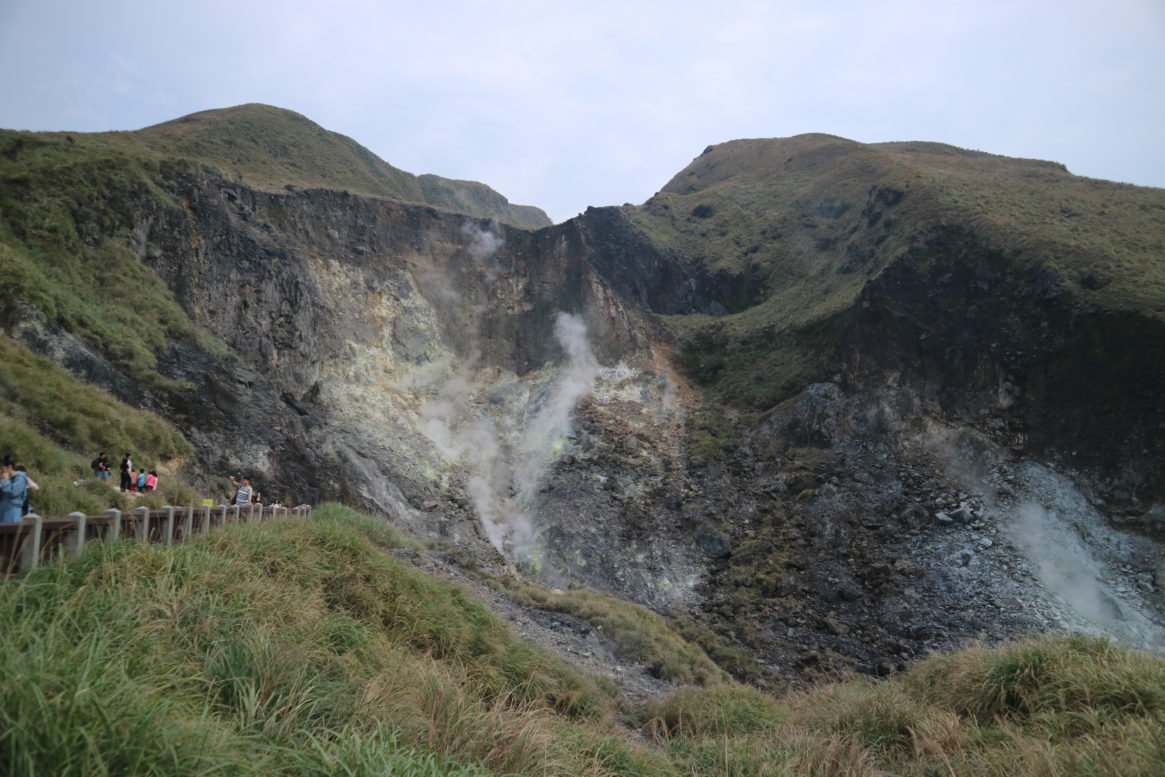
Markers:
(275, 148)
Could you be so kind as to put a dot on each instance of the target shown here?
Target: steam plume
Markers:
(507, 453)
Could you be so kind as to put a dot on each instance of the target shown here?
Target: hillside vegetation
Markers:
(56, 424)
(303, 647)
(273, 148)
(789, 232)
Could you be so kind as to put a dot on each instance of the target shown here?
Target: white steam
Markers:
(1093, 574)
(1063, 563)
(508, 458)
(507, 432)
(484, 245)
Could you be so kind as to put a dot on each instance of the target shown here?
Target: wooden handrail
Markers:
(27, 543)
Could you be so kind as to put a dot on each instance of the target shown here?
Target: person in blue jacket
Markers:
(13, 492)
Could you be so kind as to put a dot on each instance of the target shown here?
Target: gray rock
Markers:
(943, 518)
(713, 543)
(963, 514)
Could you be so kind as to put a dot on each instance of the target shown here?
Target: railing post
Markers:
(205, 518)
(188, 528)
(169, 536)
(238, 513)
(32, 545)
(143, 514)
(79, 539)
(223, 513)
(116, 525)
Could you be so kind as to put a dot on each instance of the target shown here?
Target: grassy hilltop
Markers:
(792, 231)
(813, 216)
(68, 203)
(304, 647)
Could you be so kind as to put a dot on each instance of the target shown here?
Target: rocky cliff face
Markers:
(471, 381)
(997, 345)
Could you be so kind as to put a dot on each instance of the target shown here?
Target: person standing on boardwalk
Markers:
(13, 492)
(126, 472)
(243, 495)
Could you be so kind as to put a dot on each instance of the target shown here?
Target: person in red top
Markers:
(151, 480)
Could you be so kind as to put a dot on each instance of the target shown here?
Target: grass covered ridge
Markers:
(303, 647)
(791, 231)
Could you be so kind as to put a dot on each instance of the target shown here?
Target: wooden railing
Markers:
(33, 541)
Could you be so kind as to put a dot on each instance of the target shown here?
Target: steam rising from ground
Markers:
(1063, 564)
(1077, 557)
(484, 246)
(508, 458)
(505, 431)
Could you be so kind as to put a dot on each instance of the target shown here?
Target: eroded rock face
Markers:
(472, 382)
(866, 531)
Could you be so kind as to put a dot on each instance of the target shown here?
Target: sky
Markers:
(564, 105)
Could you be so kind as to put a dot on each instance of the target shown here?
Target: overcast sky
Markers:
(568, 104)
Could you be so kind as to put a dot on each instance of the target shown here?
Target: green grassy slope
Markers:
(270, 148)
(800, 203)
(68, 209)
(303, 647)
(804, 223)
(55, 424)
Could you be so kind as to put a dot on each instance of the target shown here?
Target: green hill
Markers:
(820, 214)
(70, 204)
(266, 148)
(272, 147)
(304, 647)
(791, 231)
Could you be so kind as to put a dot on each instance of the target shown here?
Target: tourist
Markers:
(151, 480)
(101, 466)
(13, 491)
(243, 495)
(127, 473)
(141, 480)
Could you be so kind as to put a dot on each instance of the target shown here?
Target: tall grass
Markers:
(287, 648)
(303, 647)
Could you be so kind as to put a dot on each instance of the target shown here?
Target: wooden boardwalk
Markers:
(36, 540)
